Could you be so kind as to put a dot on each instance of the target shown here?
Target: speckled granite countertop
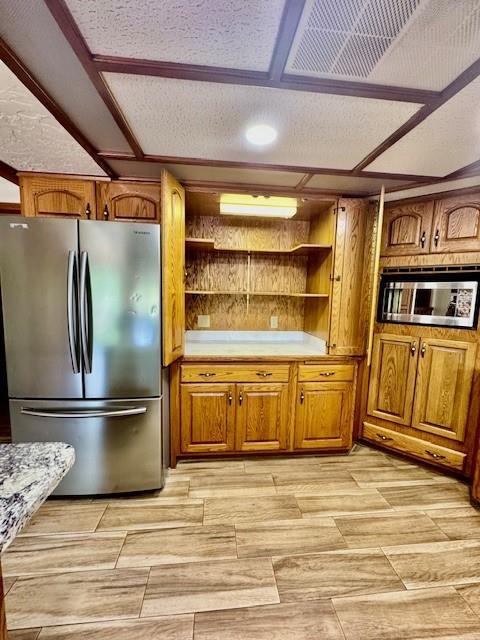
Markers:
(28, 474)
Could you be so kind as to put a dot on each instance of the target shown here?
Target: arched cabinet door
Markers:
(456, 225)
(407, 229)
(128, 201)
(56, 197)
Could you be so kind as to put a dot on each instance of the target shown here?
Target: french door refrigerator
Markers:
(81, 311)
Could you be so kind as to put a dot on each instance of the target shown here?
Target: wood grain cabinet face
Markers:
(392, 377)
(407, 229)
(324, 415)
(57, 197)
(456, 225)
(444, 382)
(262, 417)
(129, 201)
(173, 268)
(208, 417)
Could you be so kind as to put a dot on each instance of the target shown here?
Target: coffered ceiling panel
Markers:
(207, 120)
(413, 43)
(451, 185)
(237, 33)
(31, 139)
(28, 27)
(446, 141)
(131, 168)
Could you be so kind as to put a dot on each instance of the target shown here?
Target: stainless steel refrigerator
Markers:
(82, 324)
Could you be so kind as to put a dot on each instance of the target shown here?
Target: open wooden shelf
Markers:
(282, 294)
(208, 244)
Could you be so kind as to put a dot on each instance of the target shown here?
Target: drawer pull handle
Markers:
(435, 456)
(413, 348)
(327, 373)
(302, 397)
(384, 438)
(423, 349)
(240, 398)
(263, 374)
(207, 374)
(230, 398)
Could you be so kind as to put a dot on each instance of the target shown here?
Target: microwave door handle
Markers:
(72, 318)
(85, 328)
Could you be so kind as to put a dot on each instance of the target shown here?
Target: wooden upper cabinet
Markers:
(407, 229)
(444, 382)
(392, 377)
(262, 417)
(129, 201)
(173, 268)
(324, 415)
(208, 417)
(352, 266)
(456, 225)
(57, 197)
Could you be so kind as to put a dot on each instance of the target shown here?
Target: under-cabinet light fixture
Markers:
(241, 204)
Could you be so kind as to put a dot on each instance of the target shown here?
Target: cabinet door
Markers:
(348, 322)
(130, 201)
(173, 268)
(456, 225)
(262, 417)
(392, 377)
(444, 382)
(407, 229)
(57, 197)
(324, 415)
(207, 417)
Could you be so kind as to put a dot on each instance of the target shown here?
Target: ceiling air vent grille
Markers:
(349, 37)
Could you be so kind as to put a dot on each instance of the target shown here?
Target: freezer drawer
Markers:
(118, 444)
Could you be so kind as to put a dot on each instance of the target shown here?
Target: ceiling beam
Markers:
(225, 75)
(204, 162)
(468, 171)
(17, 67)
(292, 13)
(304, 181)
(467, 76)
(8, 172)
(68, 26)
(259, 189)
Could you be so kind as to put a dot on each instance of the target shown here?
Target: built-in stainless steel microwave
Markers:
(448, 299)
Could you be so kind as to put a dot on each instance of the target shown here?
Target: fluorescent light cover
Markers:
(261, 134)
(241, 204)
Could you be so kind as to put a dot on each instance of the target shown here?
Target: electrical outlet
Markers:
(203, 322)
(273, 322)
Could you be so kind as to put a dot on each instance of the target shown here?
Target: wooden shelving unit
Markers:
(242, 271)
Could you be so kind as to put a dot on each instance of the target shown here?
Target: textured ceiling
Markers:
(350, 183)
(31, 139)
(28, 27)
(237, 33)
(445, 141)
(411, 43)
(207, 120)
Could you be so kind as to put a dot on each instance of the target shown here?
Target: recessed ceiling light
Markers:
(261, 134)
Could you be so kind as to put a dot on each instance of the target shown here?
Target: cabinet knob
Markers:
(422, 239)
(106, 212)
(230, 397)
(302, 397)
(423, 349)
(436, 237)
(88, 211)
(413, 348)
(240, 398)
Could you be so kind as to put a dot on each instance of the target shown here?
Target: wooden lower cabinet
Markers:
(324, 415)
(207, 417)
(443, 386)
(262, 417)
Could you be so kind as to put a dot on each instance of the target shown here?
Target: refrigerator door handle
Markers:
(101, 413)
(72, 319)
(85, 313)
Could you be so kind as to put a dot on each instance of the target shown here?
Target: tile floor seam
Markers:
(101, 517)
(337, 617)
(121, 549)
(464, 599)
(393, 568)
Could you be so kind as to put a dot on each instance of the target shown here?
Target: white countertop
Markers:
(253, 343)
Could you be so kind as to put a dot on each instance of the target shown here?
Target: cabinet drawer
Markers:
(235, 373)
(326, 372)
(419, 448)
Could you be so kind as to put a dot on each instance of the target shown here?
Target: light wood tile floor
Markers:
(358, 547)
